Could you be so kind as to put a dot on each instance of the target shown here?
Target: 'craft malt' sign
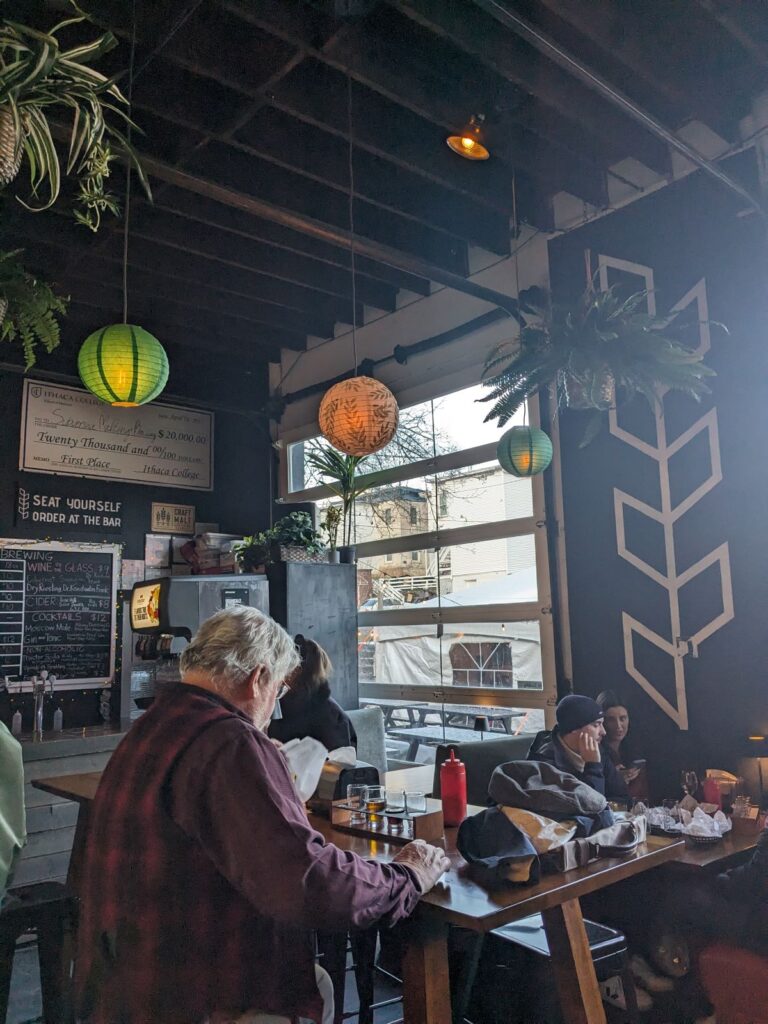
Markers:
(51, 511)
(69, 432)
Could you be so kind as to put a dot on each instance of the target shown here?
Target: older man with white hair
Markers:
(203, 877)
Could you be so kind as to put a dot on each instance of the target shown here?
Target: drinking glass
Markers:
(356, 798)
(415, 803)
(395, 800)
(690, 782)
(375, 803)
(395, 807)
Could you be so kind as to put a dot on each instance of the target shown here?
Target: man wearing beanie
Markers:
(574, 746)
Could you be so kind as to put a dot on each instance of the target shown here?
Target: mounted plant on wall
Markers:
(339, 474)
(605, 349)
(41, 82)
(28, 309)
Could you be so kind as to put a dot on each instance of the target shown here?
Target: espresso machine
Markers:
(160, 617)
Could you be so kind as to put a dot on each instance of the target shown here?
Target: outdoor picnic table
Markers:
(436, 734)
(449, 711)
(390, 705)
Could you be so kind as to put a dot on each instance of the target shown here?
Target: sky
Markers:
(460, 417)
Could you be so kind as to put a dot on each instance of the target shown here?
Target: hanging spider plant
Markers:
(604, 349)
(28, 308)
(40, 81)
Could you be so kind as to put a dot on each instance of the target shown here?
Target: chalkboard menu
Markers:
(57, 610)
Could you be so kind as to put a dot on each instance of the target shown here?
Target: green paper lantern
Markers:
(123, 365)
(524, 451)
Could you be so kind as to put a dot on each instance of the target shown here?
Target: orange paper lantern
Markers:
(359, 416)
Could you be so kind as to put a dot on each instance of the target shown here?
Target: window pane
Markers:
(473, 574)
(450, 424)
(496, 655)
(480, 494)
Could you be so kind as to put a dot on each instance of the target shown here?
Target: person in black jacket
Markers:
(574, 747)
(308, 709)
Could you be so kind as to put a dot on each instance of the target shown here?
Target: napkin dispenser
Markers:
(334, 780)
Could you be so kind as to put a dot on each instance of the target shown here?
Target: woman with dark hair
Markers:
(619, 748)
(309, 709)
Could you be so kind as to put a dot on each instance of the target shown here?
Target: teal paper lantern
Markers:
(524, 451)
(123, 365)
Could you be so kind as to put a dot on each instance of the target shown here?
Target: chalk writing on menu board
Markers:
(68, 431)
(57, 611)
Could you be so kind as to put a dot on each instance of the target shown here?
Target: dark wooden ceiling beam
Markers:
(745, 22)
(318, 229)
(480, 35)
(249, 256)
(282, 139)
(145, 310)
(233, 310)
(84, 318)
(223, 283)
(377, 284)
(628, 38)
(250, 176)
(172, 257)
(416, 134)
(315, 92)
(202, 71)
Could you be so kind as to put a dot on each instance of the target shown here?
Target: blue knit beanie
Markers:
(575, 711)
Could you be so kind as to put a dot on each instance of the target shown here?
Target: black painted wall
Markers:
(239, 501)
(685, 232)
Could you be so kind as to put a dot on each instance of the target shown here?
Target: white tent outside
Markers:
(412, 654)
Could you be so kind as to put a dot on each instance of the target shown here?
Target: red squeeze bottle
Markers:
(453, 789)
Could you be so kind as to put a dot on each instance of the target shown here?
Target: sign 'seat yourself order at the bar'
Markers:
(67, 431)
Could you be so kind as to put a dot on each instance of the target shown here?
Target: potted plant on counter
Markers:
(339, 474)
(291, 539)
(330, 525)
(294, 539)
(606, 348)
(28, 309)
(252, 553)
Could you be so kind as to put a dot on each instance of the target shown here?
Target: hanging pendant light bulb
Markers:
(470, 143)
(359, 416)
(122, 364)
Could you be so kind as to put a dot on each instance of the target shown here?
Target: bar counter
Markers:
(51, 819)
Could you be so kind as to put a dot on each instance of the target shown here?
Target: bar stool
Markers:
(50, 910)
(607, 945)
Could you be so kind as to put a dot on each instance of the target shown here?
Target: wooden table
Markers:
(436, 734)
(730, 851)
(460, 900)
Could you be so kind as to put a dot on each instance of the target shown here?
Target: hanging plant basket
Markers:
(11, 148)
(598, 391)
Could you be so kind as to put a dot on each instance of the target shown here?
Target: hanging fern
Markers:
(605, 338)
(32, 310)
